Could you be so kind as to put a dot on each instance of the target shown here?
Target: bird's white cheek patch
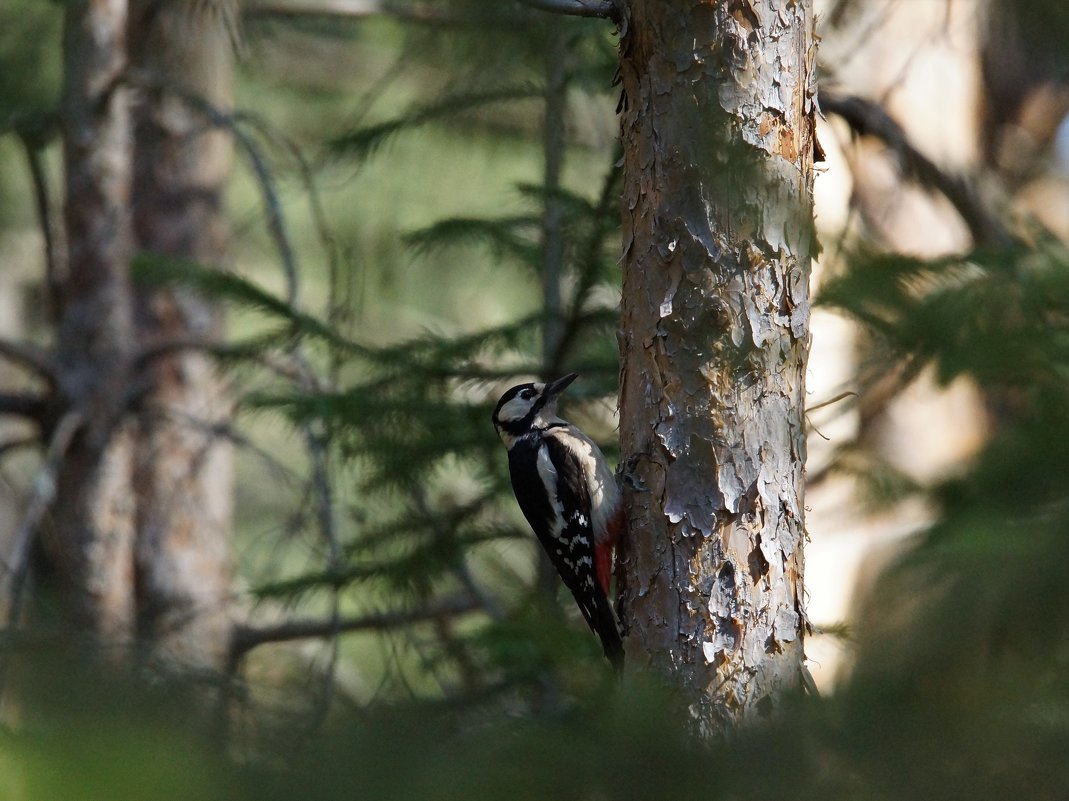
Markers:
(515, 409)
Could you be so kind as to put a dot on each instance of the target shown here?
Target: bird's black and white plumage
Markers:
(568, 494)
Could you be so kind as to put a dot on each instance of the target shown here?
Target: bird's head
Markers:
(527, 407)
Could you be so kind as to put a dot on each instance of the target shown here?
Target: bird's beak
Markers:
(557, 387)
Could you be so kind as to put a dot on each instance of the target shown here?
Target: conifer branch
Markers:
(224, 120)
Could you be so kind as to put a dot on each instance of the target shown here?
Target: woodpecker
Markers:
(569, 496)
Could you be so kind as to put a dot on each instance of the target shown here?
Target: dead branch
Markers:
(41, 497)
(867, 118)
(604, 9)
(18, 444)
(248, 637)
(30, 357)
(21, 404)
(32, 147)
(349, 9)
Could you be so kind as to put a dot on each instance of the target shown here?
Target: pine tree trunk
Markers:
(182, 53)
(141, 517)
(718, 136)
(91, 538)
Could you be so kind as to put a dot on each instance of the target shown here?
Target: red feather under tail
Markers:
(603, 551)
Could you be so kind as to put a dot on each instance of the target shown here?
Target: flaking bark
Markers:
(718, 137)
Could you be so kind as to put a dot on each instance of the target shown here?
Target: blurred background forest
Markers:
(422, 210)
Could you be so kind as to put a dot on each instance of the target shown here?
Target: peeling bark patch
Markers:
(689, 496)
(715, 315)
(743, 12)
(722, 598)
(783, 138)
(757, 563)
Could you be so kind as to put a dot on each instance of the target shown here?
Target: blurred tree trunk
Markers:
(142, 509)
(93, 517)
(718, 135)
(181, 52)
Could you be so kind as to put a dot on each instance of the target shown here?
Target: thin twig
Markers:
(315, 202)
(553, 242)
(836, 399)
(588, 263)
(44, 488)
(41, 497)
(53, 272)
(219, 118)
(169, 347)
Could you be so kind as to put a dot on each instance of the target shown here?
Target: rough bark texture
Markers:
(182, 52)
(93, 513)
(718, 138)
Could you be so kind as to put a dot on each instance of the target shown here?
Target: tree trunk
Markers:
(718, 136)
(140, 535)
(92, 535)
(182, 52)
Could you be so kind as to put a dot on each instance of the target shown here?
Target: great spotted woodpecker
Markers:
(569, 496)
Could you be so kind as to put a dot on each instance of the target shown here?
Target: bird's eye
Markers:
(527, 394)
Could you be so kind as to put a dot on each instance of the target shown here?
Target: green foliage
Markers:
(29, 89)
(996, 316)
(963, 656)
(88, 732)
(156, 271)
(430, 511)
(29, 61)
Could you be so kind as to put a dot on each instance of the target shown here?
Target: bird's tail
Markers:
(604, 625)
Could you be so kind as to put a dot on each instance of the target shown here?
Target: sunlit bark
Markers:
(718, 139)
